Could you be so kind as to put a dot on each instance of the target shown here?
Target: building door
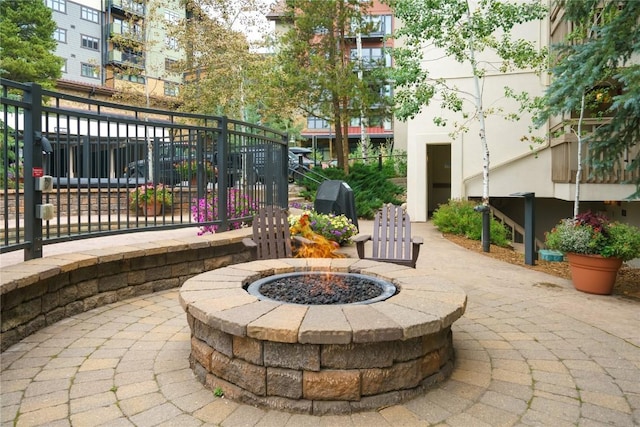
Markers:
(438, 175)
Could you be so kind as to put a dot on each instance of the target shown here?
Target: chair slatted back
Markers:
(392, 234)
(271, 233)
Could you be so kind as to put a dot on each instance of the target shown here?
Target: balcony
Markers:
(125, 58)
(376, 27)
(128, 6)
(564, 153)
(116, 30)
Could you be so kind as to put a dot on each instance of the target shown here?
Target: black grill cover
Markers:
(336, 197)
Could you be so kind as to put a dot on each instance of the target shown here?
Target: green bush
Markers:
(371, 187)
(459, 217)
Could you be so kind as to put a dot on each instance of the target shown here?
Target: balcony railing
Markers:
(564, 158)
(120, 57)
(129, 6)
(124, 31)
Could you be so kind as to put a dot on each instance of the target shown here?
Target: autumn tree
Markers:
(468, 32)
(316, 67)
(223, 69)
(27, 45)
(596, 69)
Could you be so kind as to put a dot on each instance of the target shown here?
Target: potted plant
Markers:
(150, 199)
(595, 248)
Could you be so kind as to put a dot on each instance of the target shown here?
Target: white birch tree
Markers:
(464, 30)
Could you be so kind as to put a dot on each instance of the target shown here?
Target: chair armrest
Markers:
(303, 240)
(417, 240)
(361, 238)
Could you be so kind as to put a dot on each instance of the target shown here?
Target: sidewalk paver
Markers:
(527, 354)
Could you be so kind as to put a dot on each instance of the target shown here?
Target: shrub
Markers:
(238, 206)
(371, 187)
(459, 217)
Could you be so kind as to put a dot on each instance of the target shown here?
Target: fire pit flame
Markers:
(321, 246)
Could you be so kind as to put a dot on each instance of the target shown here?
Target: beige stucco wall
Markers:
(514, 166)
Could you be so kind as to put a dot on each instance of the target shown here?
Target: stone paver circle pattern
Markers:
(530, 351)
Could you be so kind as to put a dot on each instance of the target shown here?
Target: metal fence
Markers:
(108, 162)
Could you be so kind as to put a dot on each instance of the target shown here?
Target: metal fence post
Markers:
(223, 176)
(32, 162)
(283, 188)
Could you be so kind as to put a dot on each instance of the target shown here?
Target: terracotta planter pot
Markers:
(152, 209)
(593, 274)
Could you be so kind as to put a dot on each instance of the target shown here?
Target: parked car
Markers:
(176, 163)
(296, 155)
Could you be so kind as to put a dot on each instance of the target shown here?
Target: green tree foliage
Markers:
(316, 68)
(598, 61)
(27, 43)
(224, 72)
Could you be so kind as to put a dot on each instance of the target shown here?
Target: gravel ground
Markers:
(320, 289)
(627, 283)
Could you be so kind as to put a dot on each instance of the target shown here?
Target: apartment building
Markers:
(79, 37)
(318, 134)
(441, 166)
(119, 47)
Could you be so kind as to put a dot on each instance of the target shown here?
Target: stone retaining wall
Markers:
(40, 292)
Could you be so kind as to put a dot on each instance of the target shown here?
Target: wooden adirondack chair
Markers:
(271, 236)
(392, 240)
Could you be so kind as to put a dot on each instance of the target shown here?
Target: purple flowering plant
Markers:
(238, 205)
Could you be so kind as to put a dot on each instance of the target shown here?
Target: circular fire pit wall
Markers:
(315, 287)
(319, 359)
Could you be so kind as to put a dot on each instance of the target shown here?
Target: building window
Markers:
(133, 78)
(60, 34)
(171, 17)
(90, 42)
(88, 70)
(132, 29)
(57, 5)
(170, 65)
(374, 25)
(171, 42)
(64, 66)
(171, 89)
(317, 123)
(320, 30)
(90, 14)
(372, 57)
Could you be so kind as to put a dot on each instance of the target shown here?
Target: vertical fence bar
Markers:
(223, 176)
(32, 159)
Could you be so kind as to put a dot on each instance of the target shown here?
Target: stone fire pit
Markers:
(320, 359)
